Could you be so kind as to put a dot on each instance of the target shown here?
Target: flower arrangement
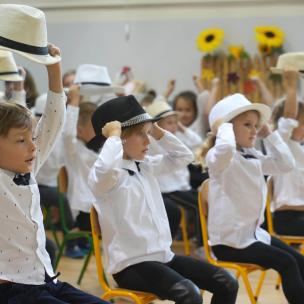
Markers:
(270, 39)
(210, 39)
(237, 51)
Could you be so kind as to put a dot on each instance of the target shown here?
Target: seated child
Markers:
(136, 234)
(26, 271)
(237, 191)
(288, 190)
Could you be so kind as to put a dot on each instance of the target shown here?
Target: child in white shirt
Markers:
(237, 191)
(288, 190)
(26, 270)
(136, 235)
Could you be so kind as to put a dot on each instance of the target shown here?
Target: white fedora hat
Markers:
(23, 31)
(236, 104)
(95, 80)
(8, 67)
(160, 109)
(289, 60)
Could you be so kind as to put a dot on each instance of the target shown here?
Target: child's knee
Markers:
(185, 292)
(226, 282)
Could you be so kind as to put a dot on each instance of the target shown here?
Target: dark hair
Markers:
(190, 97)
(13, 115)
(30, 89)
(86, 110)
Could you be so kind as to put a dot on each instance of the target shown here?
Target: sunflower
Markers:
(254, 74)
(207, 74)
(236, 51)
(270, 36)
(210, 39)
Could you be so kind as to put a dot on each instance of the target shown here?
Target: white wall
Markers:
(162, 33)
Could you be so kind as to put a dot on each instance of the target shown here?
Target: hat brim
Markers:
(42, 59)
(93, 89)
(96, 142)
(264, 111)
(275, 70)
(11, 77)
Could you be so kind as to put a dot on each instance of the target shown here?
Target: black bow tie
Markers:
(20, 179)
(131, 172)
(248, 156)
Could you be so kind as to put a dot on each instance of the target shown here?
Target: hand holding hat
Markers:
(112, 128)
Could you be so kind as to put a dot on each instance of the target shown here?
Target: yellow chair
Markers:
(183, 225)
(288, 239)
(110, 293)
(242, 269)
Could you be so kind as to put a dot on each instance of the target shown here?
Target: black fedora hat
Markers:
(124, 109)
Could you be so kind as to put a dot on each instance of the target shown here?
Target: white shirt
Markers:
(131, 210)
(48, 173)
(178, 180)
(289, 187)
(200, 125)
(237, 189)
(78, 160)
(23, 258)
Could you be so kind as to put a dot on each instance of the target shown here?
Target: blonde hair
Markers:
(203, 150)
(86, 110)
(13, 115)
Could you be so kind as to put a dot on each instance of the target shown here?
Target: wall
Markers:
(161, 42)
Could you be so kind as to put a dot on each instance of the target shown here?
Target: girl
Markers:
(136, 234)
(237, 192)
(288, 201)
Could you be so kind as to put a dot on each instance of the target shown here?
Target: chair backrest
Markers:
(96, 234)
(268, 205)
(203, 213)
(62, 184)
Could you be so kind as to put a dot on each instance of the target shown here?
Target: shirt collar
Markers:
(129, 165)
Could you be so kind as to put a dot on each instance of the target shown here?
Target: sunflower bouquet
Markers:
(270, 40)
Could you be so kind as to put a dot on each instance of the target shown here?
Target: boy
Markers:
(25, 267)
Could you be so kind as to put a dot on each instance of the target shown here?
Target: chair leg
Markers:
(260, 284)
(244, 275)
(60, 252)
(184, 232)
(85, 265)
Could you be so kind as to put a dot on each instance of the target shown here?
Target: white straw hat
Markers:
(289, 60)
(8, 67)
(23, 31)
(236, 104)
(160, 109)
(95, 80)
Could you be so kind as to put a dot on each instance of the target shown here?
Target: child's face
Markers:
(245, 128)
(17, 150)
(298, 133)
(85, 132)
(137, 144)
(169, 123)
(186, 112)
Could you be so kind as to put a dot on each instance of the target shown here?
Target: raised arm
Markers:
(290, 80)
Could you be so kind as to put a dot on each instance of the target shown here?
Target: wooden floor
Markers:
(70, 269)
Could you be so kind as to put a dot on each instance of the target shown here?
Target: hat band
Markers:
(8, 73)
(136, 120)
(162, 113)
(97, 83)
(19, 46)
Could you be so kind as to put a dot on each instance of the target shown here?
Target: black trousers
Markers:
(158, 278)
(279, 256)
(48, 293)
(174, 215)
(289, 222)
(188, 200)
